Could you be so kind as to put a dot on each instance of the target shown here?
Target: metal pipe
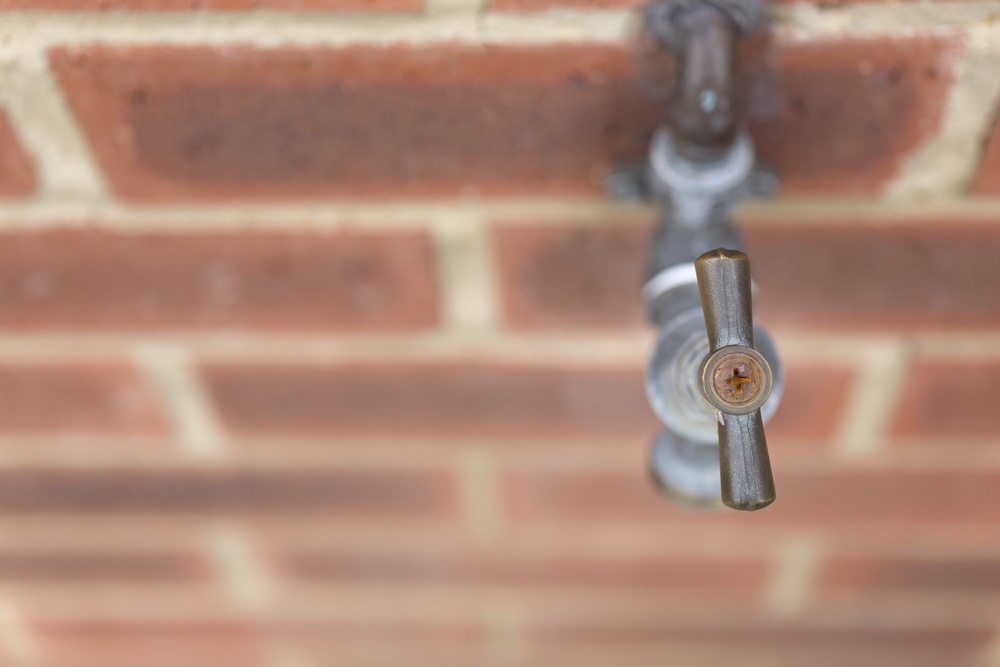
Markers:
(705, 105)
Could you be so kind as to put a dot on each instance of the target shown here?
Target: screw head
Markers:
(736, 380)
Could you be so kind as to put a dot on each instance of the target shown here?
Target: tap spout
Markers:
(705, 105)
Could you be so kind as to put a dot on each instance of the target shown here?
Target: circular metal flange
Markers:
(673, 176)
(736, 380)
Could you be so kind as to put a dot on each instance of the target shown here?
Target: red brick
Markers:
(358, 492)
(564, 277)
(816, 275)
(111, 645)
(17, 175)
(988, 178)
(118, 602)
(933, 274)
(811, 403)
(827, 499)
(356, 121)
(160, 5)
(844, 115)
(75, 399)
(782, 644)
(59, 566)
(876, 575)
(245, 644)
(470, 398)
(171, 122)
(93, 279)
(950, 399)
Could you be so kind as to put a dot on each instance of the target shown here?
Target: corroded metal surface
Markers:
(736, 379)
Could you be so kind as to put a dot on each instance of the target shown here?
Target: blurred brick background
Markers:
(320, 345)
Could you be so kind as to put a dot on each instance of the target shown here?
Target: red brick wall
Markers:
(320, 345)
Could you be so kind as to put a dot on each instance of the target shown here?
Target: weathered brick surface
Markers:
(811, 405)
(75, 399)
(559, 277)
(90, 279)
(17, 176)
(407, 493)
(91, 565)
(835, 116)
(817, 275)
(819, 499)
(162, 645)
(468, 510)
(239, 642)
(356, 121)
(942, 399)
(935, 274)
(806, 117)
(489, 399)
(874, 575)
(751, 642)
(160, 5)
(987, 179)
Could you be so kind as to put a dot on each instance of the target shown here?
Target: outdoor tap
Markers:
(714, 376)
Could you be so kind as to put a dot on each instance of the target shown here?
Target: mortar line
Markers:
(17, 640)
(470, 9)
(284, 656)
(966, 348)
(41, 118)
(333, 348)
(794, 578)
(480, 495)
(171, 375)
(450, 215)
(484, 516)
(946, 163)
(877, 390)
(808, 21)
(235, 557)
(991, 655)
(329, 214)
(449, 21)
(465, 272)
(625, 348)
(503, 629)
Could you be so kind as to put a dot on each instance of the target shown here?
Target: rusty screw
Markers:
(737, 379)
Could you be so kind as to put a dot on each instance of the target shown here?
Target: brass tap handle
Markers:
(736, 379)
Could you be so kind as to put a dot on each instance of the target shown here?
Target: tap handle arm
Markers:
(724, 284)
(736, 379)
